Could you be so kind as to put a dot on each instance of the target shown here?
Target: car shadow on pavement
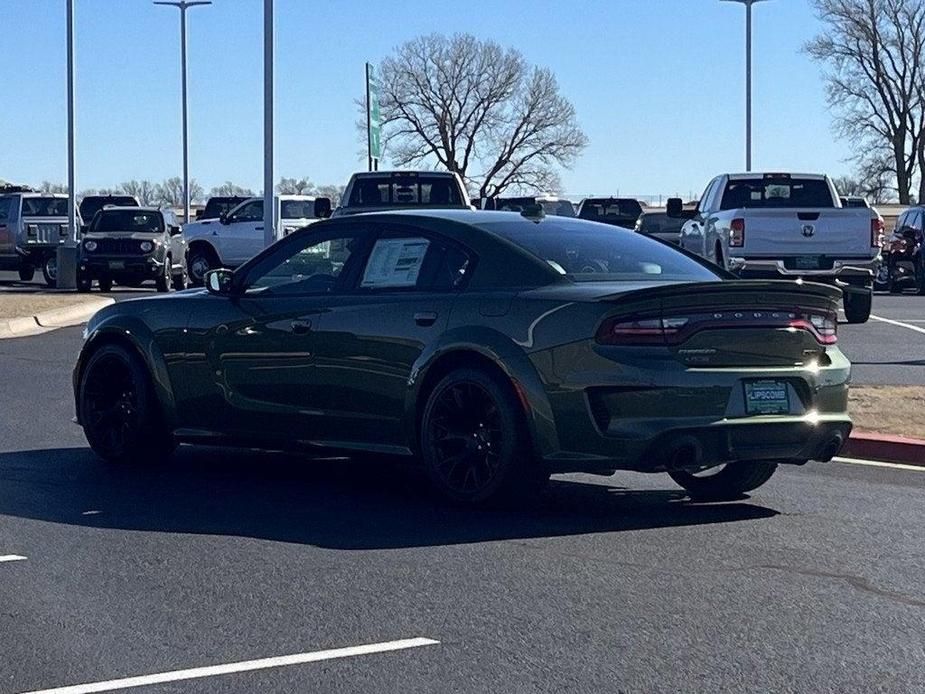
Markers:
(331, 503)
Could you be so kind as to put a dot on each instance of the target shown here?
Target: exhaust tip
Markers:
(684, 454)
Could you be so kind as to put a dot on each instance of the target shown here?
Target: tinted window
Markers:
(297, 209)
(611, 211)
(90, 205)
(5, 205)
(127, 221)
(585, 251)
(659, 223)
(309, 265)
(216, 207)
(556, 208)
(418, 189)
(44, 207)
(769, 192)
(251, 212)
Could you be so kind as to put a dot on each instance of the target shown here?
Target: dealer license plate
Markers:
(806, 262)
(767, 397)
(116, 264)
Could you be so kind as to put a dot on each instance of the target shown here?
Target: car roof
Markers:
(788, 174)
(137, 208)
(413, 172)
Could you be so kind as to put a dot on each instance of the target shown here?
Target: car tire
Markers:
(727, 482)
(719, 257)
(920, 275)
(857, 306)
(119, 412)
(26, 273)
(180, 281)
(105, 284)
(474, 441)
(50, 271)
(84, 284)
(199, 262)
(166, 277)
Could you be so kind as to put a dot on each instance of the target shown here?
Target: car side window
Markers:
(309, 264)
(5, 205)
(407, 261)
(251, 212)
(915, 220)
(704, 206)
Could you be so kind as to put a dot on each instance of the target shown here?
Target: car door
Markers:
(375, 331)
(692, 233)
(242, 237)
(7, 237)
(264, 354)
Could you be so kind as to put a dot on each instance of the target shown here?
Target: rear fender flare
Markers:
(509, 358)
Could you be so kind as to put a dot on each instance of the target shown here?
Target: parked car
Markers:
(131, 245)
(781, 225)
(237, 235)
(32, 226)
(906, 260)
(374, 191)
(621, 212)
(91, 204)
(550, 204)
(494, 348)
(218, 205)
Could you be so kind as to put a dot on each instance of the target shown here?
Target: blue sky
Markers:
(658, 86)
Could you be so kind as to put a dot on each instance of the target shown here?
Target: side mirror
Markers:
(322, 208)
(175, 231)
(675, 208)
(219, 282)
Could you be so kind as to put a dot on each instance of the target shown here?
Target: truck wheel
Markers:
(163, 282)
(105, 284)
(180, 281)
(726, 482)
(857, 306)
(199, 262)
(50, 271)
(26, 273)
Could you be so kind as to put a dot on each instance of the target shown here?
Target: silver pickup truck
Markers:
(32, 226)
(788, 226)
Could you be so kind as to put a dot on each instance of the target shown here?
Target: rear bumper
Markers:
(850, 272)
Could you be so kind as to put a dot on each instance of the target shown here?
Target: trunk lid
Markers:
(792, 232)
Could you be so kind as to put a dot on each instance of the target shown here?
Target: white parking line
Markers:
(877, 463)
(243, 666)
(899, 323)
(11, 557)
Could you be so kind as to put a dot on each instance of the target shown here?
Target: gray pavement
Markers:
(814, 583)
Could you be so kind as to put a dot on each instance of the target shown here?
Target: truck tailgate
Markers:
(832, 232)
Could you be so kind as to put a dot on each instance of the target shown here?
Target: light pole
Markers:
(183, 6)
(748, 79)
(269, 216)
(71, 178)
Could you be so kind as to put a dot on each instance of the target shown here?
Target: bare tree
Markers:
(331, 191)
(294, 186)
(229, 189)
(874, 50)
(51, 187)
(170, 192)
(144, 191)
(477, 109)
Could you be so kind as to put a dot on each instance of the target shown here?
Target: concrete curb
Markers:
(44, 321)
(885, 447)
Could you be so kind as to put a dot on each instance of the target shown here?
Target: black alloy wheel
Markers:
(474, 440)
(50, 271)
(118, 410)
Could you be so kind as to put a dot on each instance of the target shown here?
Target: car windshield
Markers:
(128, 221)
(773, 191)
(588, 252)
(404, 190)
(89, 206)
(611, 211)
(555, 208)
(297, 209)
(44, 207)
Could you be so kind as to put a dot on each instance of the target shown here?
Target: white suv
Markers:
(237, 236)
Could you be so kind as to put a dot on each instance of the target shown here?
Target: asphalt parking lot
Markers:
(813, 583)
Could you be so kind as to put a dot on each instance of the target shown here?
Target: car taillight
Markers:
(876, 233)
(673, 330)
(737, 233)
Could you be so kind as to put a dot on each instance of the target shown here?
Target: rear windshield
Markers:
(423, 190)
(556, 208)
(589, 252)
(611, 211)
(297, 209)
(128, 221)
(44, 207)
(659, 223)
(90, 206)
(777, 192)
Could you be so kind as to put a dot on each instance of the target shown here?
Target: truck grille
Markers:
(118, 247)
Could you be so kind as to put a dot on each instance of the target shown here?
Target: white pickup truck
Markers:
(237, 236)
(787, 226)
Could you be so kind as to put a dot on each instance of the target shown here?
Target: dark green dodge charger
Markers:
(495, 348)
